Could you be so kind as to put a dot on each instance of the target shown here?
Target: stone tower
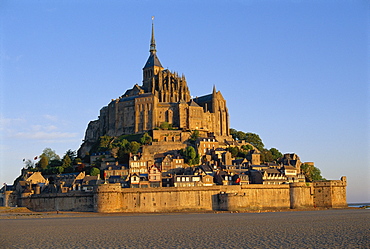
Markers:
(165, 85)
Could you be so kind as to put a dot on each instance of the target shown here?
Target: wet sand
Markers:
(348, 228)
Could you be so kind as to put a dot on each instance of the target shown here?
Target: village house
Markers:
(187, 180)
(155, 177)
(205, 145)
(169, 162)
(116, 170)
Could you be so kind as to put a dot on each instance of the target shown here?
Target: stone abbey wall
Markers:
(110, 198)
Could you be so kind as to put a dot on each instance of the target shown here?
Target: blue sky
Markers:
(295, 72)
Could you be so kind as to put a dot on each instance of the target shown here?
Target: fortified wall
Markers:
(110, 198)
(78, 201)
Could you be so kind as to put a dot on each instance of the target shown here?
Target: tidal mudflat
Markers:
(348, 228)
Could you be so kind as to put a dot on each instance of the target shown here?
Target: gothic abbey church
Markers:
(163, 97)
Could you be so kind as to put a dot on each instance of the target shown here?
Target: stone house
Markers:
(35, 178)
(254, 157)
(206, 145)
(121, 171)
(154, 177)
(139, 164)
(204, 169)
(167, 163)
(273, 176)
(187, 180)
(207, 180)
(100, 155)
(88, 183)
(242, 163)
(244, 179)
(292, 159)
(292, 174)
(134, 180)
(167, 181)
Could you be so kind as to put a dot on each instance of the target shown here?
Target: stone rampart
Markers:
(301, 195)
(237, 197)
(78, 201)
(110, 198)
(331, 193)
(257, 197)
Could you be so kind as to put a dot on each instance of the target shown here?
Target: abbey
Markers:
(163, 97)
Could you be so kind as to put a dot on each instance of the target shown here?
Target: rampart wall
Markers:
(110, 198)
(78, 201)
(330, 193)
(301, 195)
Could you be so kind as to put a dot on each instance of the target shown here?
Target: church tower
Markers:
(152, 66)
(167, 86)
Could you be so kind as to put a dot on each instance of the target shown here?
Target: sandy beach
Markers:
(347, 228)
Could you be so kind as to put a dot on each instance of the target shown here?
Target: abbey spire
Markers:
(152, 66)
(152, 41)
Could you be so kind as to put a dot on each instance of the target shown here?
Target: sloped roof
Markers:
(289, 167)
(153, 61)
(192, 103)
(205, 98)
(272, 171)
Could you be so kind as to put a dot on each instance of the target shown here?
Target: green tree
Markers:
(124, 151)
(71, 154)
(94, 171)
(191, 157)
(105, 143)
(247, 147)
(241, 135)
(50, 154)
(233, 133)
(44, 162)
(311, 173)
(55, 163)
(194, 136)
(59, 170)
(254, 140)
(165, 126)
(276, 154)
(234, 151)
(121, 143)
(134, 147)
(67, 162)
(266, 156)
(146, 139)
(190, 152)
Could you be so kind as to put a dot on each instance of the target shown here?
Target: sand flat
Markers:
(348, 228)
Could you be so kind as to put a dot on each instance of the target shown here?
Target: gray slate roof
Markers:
(153, 61)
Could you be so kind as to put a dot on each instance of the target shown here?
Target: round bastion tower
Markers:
(108, 198)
